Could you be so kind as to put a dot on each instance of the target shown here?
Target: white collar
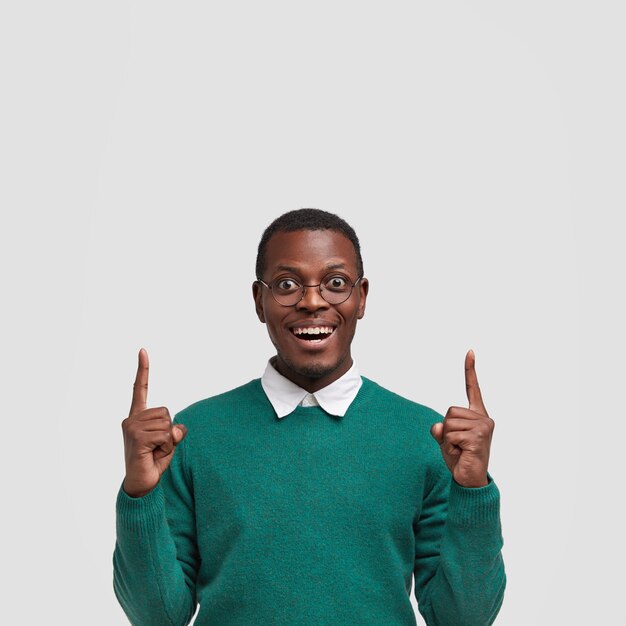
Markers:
(285, 395)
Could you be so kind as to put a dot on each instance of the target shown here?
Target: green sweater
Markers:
(309, 520)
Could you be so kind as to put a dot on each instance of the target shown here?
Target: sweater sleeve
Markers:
(156, 560)
(459, 571)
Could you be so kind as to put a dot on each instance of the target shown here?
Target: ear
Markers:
(364, 287)
(257, 294)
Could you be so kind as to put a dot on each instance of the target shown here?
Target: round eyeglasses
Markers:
(335, 289)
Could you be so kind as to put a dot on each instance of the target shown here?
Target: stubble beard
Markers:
(313, 371)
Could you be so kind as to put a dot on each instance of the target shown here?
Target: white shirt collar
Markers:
(335, 398)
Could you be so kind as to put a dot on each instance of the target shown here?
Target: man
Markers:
(310, 496)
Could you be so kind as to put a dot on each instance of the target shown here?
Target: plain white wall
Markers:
(478, 150)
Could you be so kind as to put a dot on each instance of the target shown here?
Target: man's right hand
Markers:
(150, 439)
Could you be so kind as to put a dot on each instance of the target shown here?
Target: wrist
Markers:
(472, 483)
(134, 491)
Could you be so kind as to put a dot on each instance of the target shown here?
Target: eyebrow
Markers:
(328, 268)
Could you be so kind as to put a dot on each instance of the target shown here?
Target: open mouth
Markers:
(313, 334)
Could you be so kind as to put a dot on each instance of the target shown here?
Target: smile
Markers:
(313, 334)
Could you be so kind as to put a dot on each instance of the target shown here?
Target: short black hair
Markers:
(307, 219)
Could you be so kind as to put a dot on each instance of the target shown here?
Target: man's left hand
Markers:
(465, 434)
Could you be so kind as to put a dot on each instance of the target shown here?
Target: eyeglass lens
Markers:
(334, 289)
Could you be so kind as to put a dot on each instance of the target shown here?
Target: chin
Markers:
(313, 369)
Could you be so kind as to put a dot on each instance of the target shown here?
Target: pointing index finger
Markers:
(471, 384)
(140, 388)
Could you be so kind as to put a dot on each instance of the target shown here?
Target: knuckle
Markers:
(487, 426)
(484, 431)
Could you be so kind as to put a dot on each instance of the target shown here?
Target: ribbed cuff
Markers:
(141, 514)
(474, 507)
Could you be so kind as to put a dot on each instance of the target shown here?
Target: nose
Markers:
(312, 300)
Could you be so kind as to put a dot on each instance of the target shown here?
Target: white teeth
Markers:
(314, 330)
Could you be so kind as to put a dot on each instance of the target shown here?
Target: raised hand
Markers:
(149, 437)
(465, 434)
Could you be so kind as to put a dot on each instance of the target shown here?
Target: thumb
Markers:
(179, 431)
(436, 430)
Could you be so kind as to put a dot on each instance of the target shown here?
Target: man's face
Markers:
(309, 257)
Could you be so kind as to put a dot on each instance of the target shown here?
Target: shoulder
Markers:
(388, 401)
(241, 399)
(404, 425)
(215, 425)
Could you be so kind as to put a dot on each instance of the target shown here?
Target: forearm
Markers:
(149, 580)
(468, 585)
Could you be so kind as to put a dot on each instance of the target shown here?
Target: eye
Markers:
(336, 283)
(285, 285)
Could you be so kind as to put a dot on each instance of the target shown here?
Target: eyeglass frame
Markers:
(305, 287)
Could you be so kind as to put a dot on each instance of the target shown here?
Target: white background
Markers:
(476, 147)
